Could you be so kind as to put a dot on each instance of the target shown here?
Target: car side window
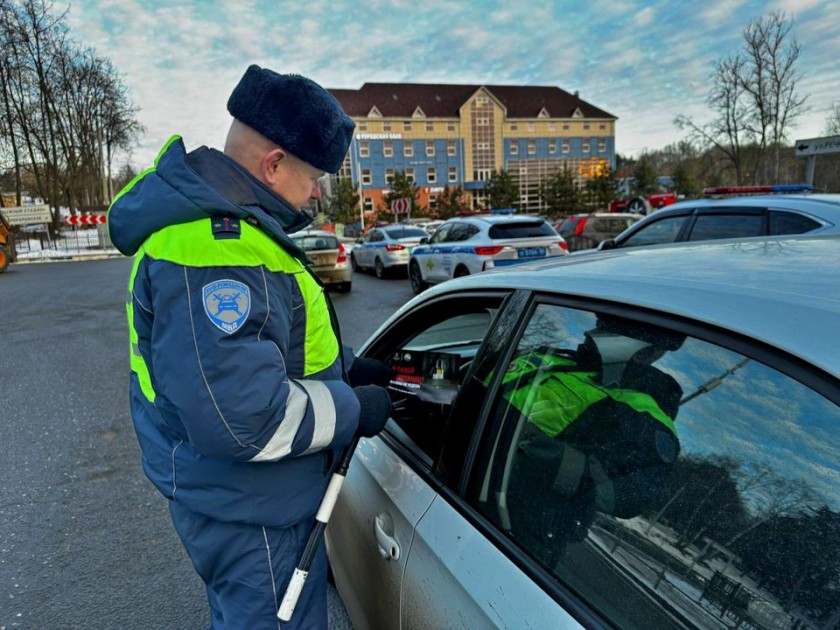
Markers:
(428, 357)
(790, 223)
(709, 227)
(459, 232)
(441, 234)
(662, 477)
(663, 231)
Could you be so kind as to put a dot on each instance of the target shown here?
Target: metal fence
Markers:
(35, 242)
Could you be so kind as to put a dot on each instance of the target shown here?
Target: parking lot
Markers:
(85, 540)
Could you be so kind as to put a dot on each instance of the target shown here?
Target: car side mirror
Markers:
(607, 244)
(424, 240)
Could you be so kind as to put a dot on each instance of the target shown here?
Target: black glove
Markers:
(375, 409)
(369, 372)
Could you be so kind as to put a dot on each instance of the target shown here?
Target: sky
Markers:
(644, 62)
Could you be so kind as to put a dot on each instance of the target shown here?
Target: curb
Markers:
(67, 258)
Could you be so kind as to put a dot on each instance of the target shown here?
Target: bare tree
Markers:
(754, 99)
(832, 123)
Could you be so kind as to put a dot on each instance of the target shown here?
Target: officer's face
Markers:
(296, 181)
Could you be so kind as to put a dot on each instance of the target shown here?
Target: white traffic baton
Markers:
(293, 590)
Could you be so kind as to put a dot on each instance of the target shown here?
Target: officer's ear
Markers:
(272, 165)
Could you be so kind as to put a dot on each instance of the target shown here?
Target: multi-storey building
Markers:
(457, 135)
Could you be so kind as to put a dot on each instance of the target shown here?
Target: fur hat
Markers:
(294, 113)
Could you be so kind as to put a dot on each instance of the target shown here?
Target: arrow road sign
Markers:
(86, 219)
(817, 146)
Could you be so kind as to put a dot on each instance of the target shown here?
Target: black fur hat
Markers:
(295, 113)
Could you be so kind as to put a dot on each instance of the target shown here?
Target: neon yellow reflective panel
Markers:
(321, 346)
(138, 365)
(193, 245)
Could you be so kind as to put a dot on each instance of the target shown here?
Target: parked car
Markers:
(601, 442)
(467, 245)
(734, 217)
(585, 231)
(385, 249)
(328, 256)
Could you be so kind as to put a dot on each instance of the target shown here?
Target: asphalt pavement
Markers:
(85, 540)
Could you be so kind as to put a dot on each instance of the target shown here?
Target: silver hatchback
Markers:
(602, 442)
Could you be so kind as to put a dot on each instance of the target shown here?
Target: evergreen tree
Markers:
(602, 188)
(343, 204)
(561, 194)
(502, 191)
(450, 202)
(645, 177)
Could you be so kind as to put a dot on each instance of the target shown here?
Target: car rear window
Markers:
(314, 243)
(521, 229)
(790, 223)
(398, 233)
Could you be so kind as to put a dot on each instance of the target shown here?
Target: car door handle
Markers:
(383, 527)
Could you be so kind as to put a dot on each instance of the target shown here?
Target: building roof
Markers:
(401, 100)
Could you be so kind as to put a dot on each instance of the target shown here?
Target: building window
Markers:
(430, 149)
(602, 126)
(552, 146)
(514, 148)
(480, 101)
(388, 148)
(368, 204)
(408, 149)
(431, 175)
(585, 147)
(586, 126)
(430, 126)
(450, 148)
(532, 147)
(366, 176)
(481, 174)
(532, 126)
(386, 126)
(453, 173)
(364, 149)
(409, 174)
(565, 126)
(482, 122)
(407, 126)
(450, 126)
(514, 127)
(602, 146)
(566, 147)
(552, 126)
(389, 176)
(483, 146)
(363, 126)
(433, 202)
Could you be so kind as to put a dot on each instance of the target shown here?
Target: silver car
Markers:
(649, 438)
(386, 249)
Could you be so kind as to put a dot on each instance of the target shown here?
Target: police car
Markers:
(465, 245)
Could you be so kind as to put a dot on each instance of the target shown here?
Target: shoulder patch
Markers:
(226, 227)
(227, 304)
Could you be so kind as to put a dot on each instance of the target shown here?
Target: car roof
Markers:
(824, 206)
(781, 290)
(494, 219)
(312, 233)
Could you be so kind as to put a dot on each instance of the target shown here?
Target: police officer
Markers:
(238, 390)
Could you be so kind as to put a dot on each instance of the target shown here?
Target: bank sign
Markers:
(23, 215)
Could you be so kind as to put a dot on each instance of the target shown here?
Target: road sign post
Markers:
(813, 147)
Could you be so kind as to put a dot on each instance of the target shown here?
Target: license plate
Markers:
(530, 252)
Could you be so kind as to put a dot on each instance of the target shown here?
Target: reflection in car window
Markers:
(713, 226)
(790, 223)
(668, 481)
(398, 233)
(521, 229)
(662, 231)
(441, 233)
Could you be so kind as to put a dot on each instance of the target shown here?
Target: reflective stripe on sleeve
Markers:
(280, 444)
(323, 408)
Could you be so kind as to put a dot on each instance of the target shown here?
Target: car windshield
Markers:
(398, 233)
(521, 229)
(314, 243)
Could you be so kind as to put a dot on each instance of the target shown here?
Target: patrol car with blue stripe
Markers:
(465, 245)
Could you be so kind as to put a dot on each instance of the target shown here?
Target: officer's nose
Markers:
(315, 193)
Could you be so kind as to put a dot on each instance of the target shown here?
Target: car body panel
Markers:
(391, 245)
(446, 585)
(383, 486)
